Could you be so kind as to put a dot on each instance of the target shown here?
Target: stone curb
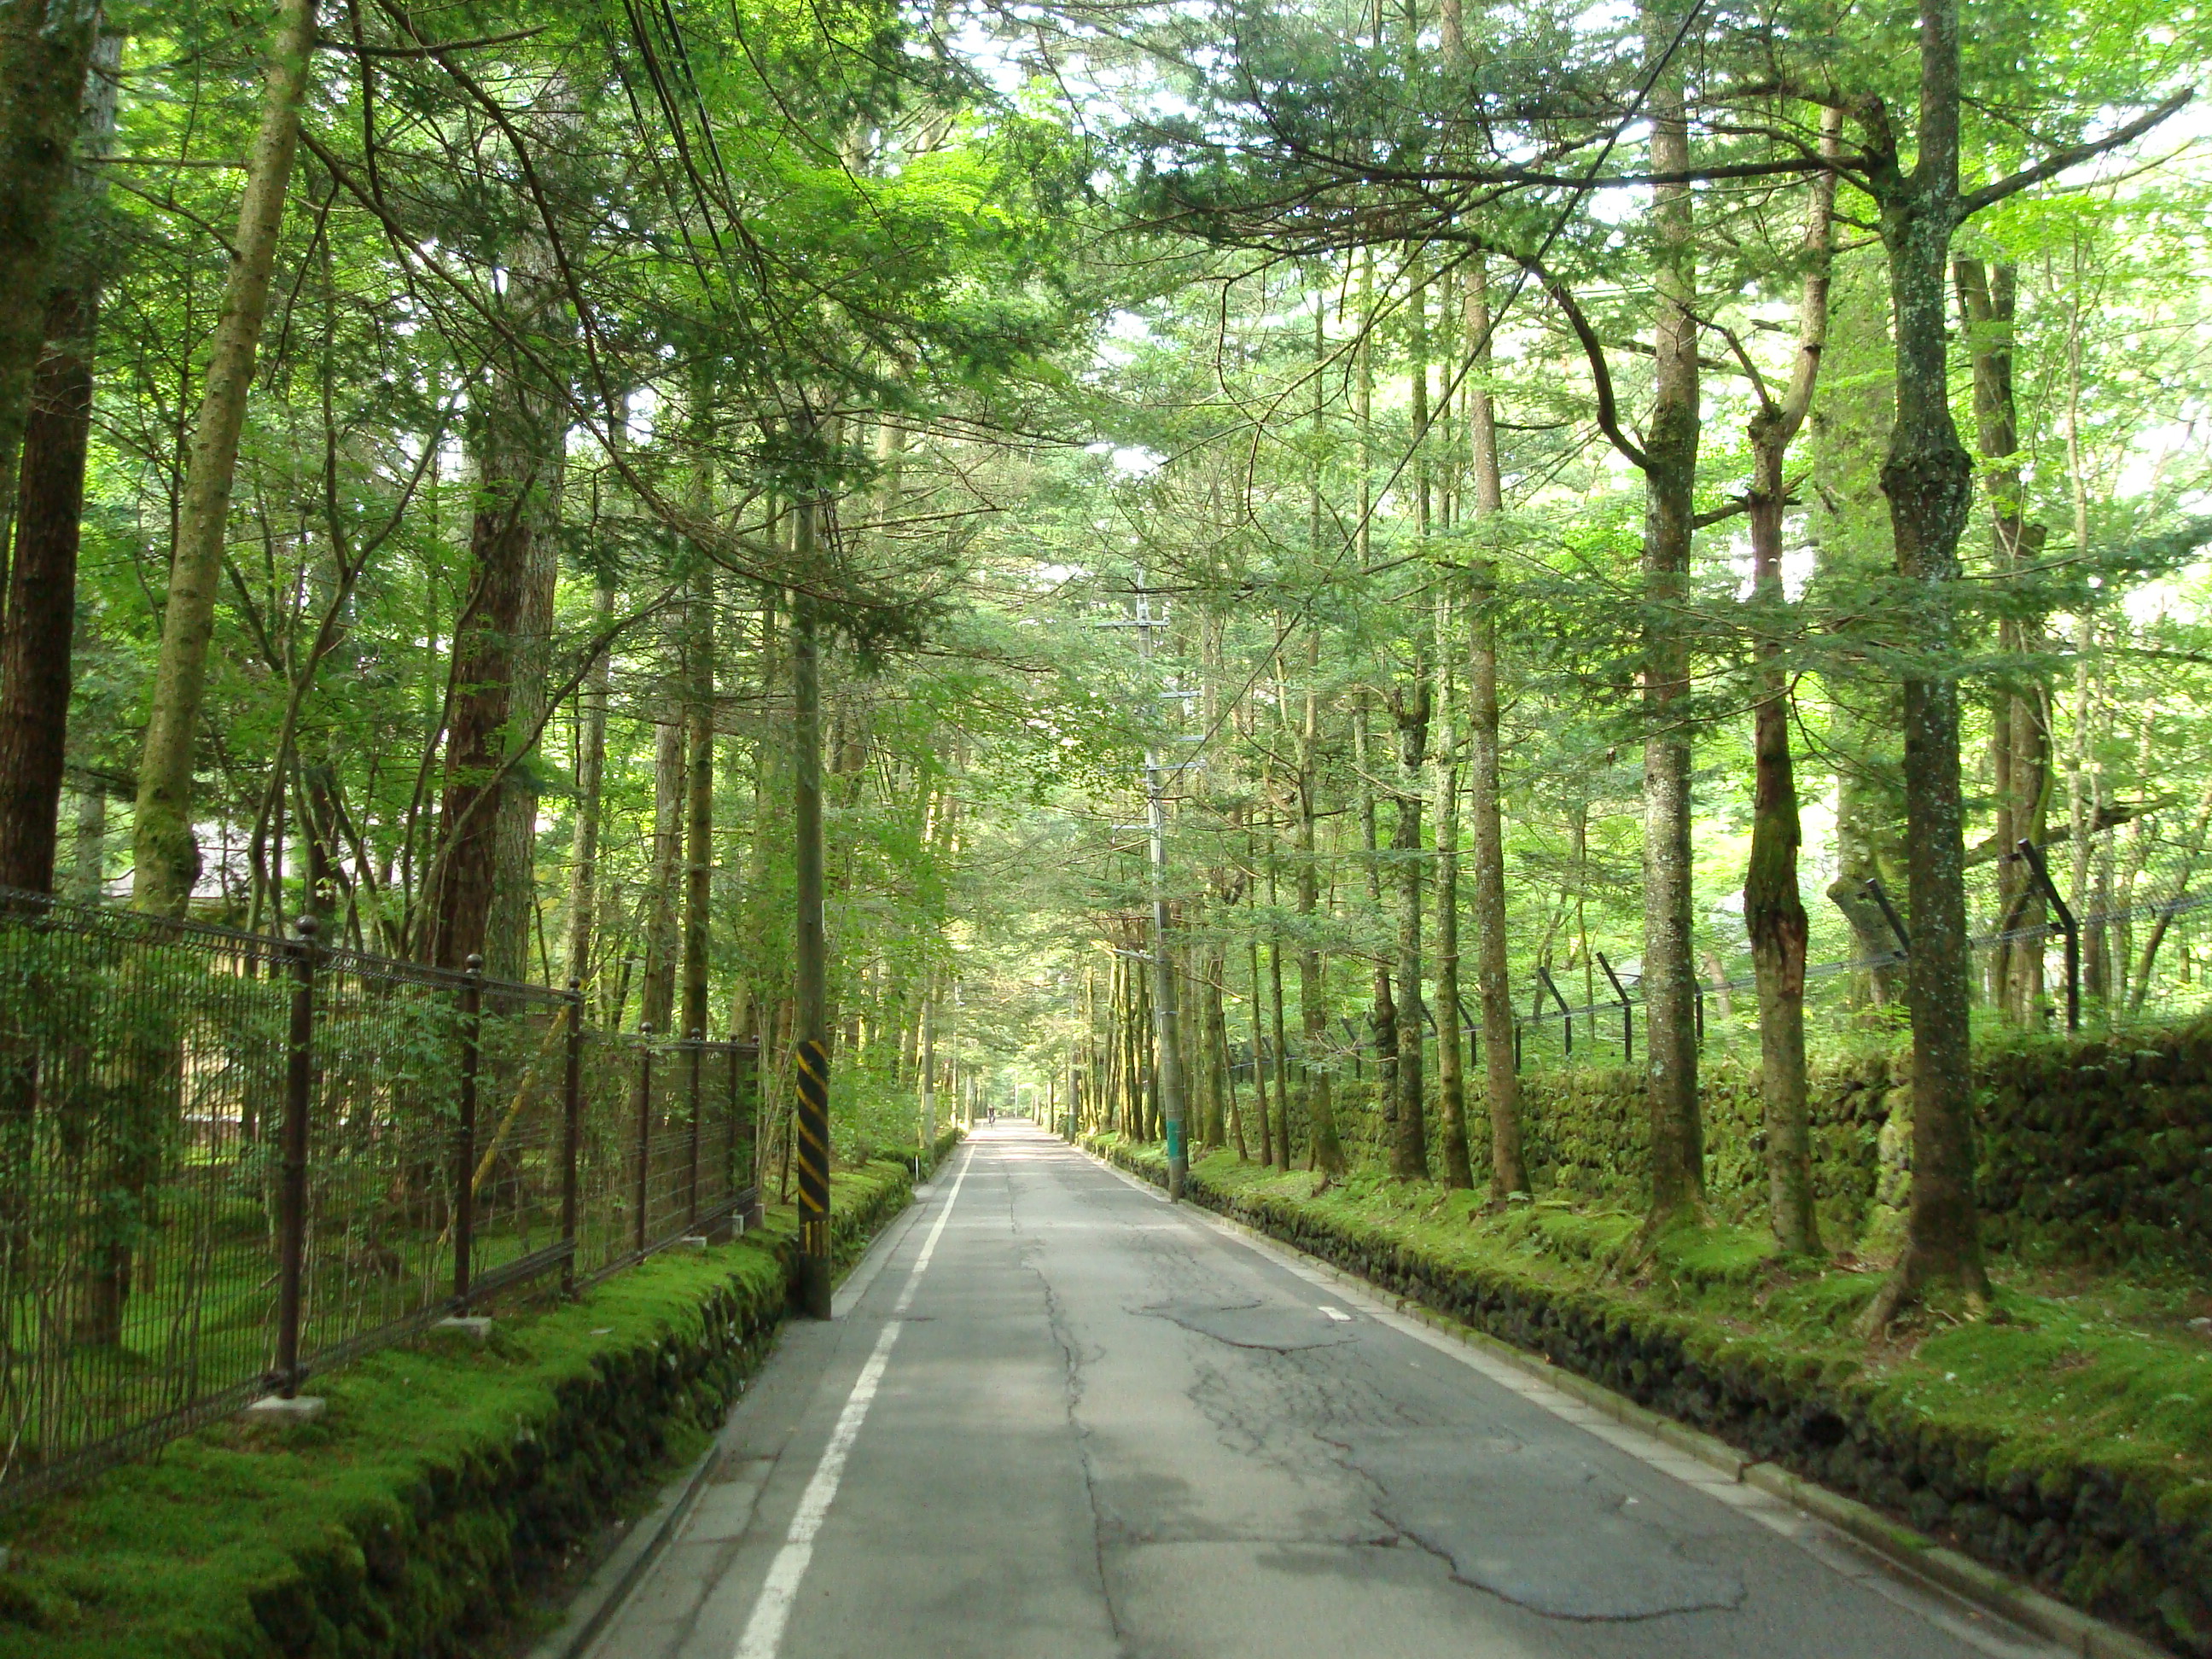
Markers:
(608, 1588)
(1900, 1545)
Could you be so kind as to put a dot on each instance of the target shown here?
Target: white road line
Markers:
(764, 1630)
(1335, 1313)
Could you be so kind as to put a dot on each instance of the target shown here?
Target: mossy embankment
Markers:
(2093, 1149)
(2067, 1440)
(443, 1480)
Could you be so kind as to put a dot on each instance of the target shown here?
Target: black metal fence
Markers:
(2116, 933)
(229, 1161)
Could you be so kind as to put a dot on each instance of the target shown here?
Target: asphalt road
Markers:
(1057, 1418)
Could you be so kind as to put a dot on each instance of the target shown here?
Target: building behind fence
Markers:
(229, 1161)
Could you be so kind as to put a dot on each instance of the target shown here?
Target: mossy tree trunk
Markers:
(1929, 479)
(1313, 997)
(2019, 736)
(1281, 1058)
(698, 797)
(166, 856)
(591, 784)
(662, 947)
(1485, 809)
(1670, 472)
(1409, 1146)
(1773, 908)
(1451, 1053)
(485, 894)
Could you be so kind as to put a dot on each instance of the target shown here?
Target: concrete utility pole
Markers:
(1167, 1028)
(928, 1058)
(810, 964)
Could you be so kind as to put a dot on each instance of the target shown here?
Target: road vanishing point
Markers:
(1056, 1417)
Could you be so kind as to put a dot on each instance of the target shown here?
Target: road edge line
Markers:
(608, 1587)
(1902, 1546)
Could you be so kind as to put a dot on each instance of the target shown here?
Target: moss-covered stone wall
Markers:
(2102, 1150)
(2098, 1147)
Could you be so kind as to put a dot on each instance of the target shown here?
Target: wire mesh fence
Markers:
(228, 1161)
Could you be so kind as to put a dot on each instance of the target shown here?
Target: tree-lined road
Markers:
(1057, 1416)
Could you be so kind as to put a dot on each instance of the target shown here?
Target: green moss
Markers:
(407, 1519)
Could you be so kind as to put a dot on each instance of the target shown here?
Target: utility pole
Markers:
(810, 968)
(928, 1057)
(1167, 1028)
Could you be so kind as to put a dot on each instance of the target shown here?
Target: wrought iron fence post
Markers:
(571, 1128)
(644, 1121)
(1628, 1012)
(2067, 925)
(1873, 889)
(292, 1188)
(730, 1186)
(464, 1133)
(1566, 1014)
(698, 1054)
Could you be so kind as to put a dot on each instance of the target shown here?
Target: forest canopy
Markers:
(1341, 545)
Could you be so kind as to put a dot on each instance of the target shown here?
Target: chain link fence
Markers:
(2114, 933)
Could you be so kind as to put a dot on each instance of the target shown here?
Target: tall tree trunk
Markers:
(1282, 1059)
(1213, 1084)
(591, 787)
(699, 798)
(45, 51)
(166, 856)
(1849, 434)
(1451, 1071)
(1224, 1083)
(1929, 479)
(514, 913)
(661, 943)
(40, 616)
(1493, 989)
(1267, 1121)
(486, 896)
(1409, 1151)
(1670, 483)
(1382, 1007)
(1773, 908)
(2084, 775)
(1313, 997)
(2021, 740)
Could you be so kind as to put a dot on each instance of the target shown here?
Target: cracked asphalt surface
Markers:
(1111, 1427)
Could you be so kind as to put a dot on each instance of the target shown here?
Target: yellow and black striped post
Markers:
(809, 955)
(811, 1152)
